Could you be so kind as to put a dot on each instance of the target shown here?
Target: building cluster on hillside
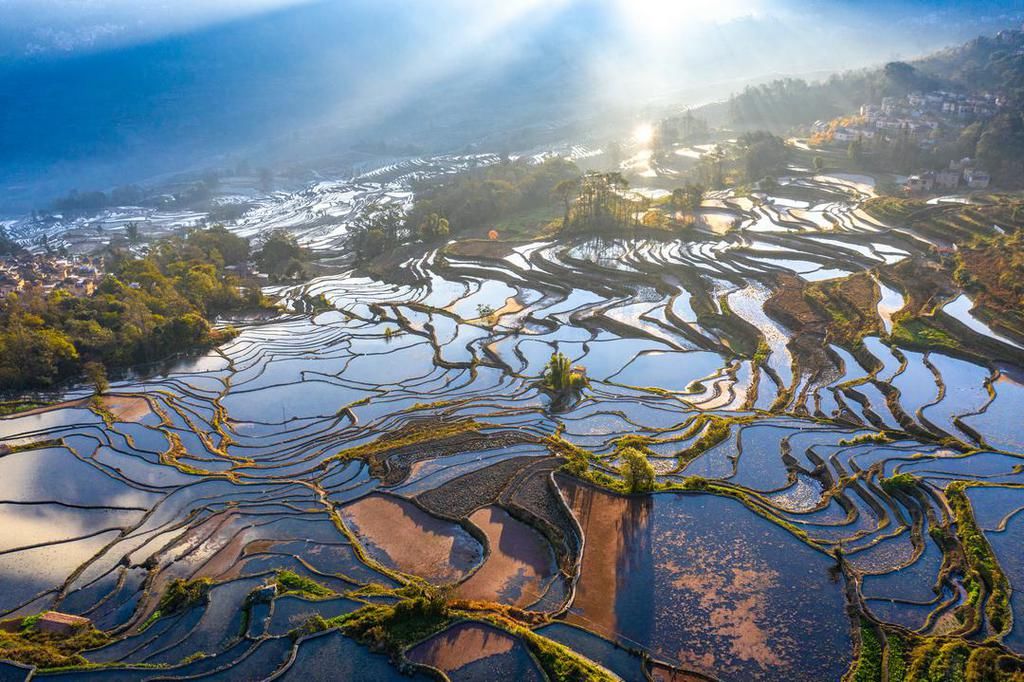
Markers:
(962, 173)
(77, 275)
(918, 115)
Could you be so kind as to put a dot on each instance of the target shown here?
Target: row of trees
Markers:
(143, 310)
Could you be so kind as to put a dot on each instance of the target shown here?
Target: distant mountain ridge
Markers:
(314, 79)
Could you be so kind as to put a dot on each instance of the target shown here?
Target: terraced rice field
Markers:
(402, 436)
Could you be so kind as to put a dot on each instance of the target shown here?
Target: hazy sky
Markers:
(45, 26)
(153, 84)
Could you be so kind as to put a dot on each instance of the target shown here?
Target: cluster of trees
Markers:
(133, 195)
(128, 195)
(281, 257)
(761, 154)
(985, 63)
(638, 474)
(192, 194)
(996, 144)
(789, 102)
(991, 64)
(383, 227)
(999, 147)
(684, 129)
(474, 199)
(8, 247)
(145, 309)
(751, 158)
(563, 382)
(688, 197)
(466, 201)
(601, 203)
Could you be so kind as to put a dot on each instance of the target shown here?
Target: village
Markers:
(926, 120)
(76, 275)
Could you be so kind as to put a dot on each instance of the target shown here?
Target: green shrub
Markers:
(182, 594)
(563, 381)
(293, 583)
(903, 482)
(869, 661)
(636, 470)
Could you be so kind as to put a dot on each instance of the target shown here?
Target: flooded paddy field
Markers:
(317, 470)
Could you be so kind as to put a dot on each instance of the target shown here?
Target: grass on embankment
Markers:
(909, 657)
(984, 575)
(426, 609)
(32, 646)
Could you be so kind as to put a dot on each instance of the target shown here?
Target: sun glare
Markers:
(657, 17)
(643, 134)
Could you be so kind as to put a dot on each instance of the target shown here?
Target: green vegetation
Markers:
(713, 430)
(8, 407)
(563, 382)
(878, 438)
(992, 268)
(561, 663)
(477, 199)
(849, 304)
(683, 129)
(913, 658)
(31, 646)
(788, 102)
(688, 197)
(144, 310)
(944, 660)
(602, 205)
(918, 333)
(579, 461)
(982, 65)
(637, 472)
(896, 657)
(583, 464)
(761, 154)
(96, 374)
(293, 583)
(530, 223)
(869, 660)
(424, 610)
(983, 571)
(312, 625)
(510, 194)
(281, 257)
(181, 594)
(434, 228)
(413, 434)
(986, 264)
(962, 223)
(35, 445)
(486, 313)
(636, 467)
(381, 227)
(903, 482)
(9, 247)
(893, 210)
